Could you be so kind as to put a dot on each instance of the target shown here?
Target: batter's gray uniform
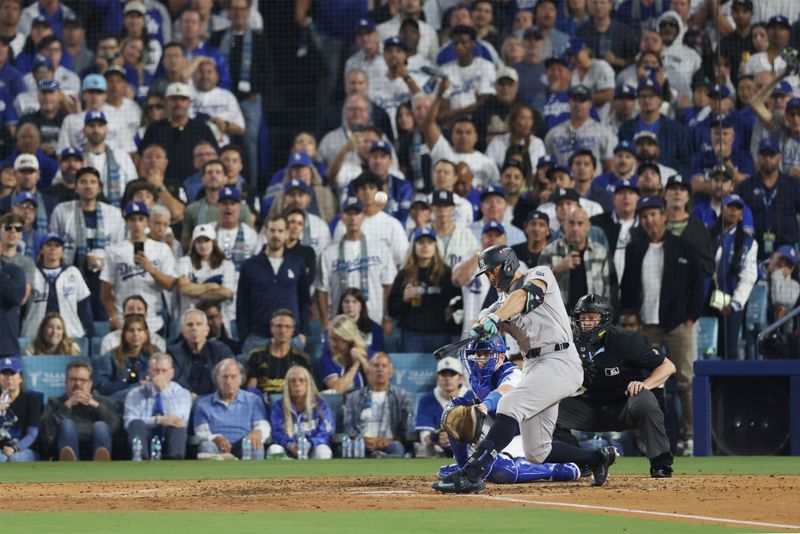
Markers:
(547, 378)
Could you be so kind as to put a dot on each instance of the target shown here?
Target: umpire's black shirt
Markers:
(623, 357)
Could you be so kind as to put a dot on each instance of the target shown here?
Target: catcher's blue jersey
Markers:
(506, 372)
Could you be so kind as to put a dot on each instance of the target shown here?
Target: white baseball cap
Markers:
(204, 230)
(179, 89)
(507, 72)
(449, 364)
(26, 161)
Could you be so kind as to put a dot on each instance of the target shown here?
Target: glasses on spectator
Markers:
(15, 227)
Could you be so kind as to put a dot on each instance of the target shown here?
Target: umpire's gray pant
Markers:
(641, 412)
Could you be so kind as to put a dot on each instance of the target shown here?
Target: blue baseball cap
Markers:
(576, 44)
(493, 225)
(557, 168)
(793, 103)
(40, 20)
(46, 84)
(650, 202)
(625, 91)
(678, 180)
(733, 199)
(52, 236)
(136, 208)
(230, 193)
(769, 144)
(94, 82)
(726, 121)
(11, 363)
(651, 85)
(42, 61)
(779, 20)
(352, 203)
(566, 194)
(25, 196)
(380, 145)
(623, 185)
(547, 159)
(625, 146)
(296, 184)
(537, 215)
(563, 60)
(782, 88)
(299, 159)
(365, 24)
(419, 233)
(493, 190)
(395, 40)
(71, 152)
(579, 92)
(719, 90)
(788, 252)
(92, 116)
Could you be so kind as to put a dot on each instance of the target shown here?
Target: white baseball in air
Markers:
(381, 197)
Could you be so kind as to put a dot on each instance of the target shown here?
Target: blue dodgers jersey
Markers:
(500, 376)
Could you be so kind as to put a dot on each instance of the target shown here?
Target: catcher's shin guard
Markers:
(460, 451)
(480, 460)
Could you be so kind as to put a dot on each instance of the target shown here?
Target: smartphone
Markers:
(138, 247)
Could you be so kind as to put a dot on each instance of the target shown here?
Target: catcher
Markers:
(467, 419)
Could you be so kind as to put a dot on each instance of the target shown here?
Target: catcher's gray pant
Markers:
(641, 412)
(534, 401)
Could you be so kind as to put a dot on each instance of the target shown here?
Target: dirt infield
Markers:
(771, 499)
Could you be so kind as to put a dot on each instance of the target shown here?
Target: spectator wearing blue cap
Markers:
(494, 208)
(137, 265)
(59, 288)
(50, 115)
(563, 186)
(115, 166)
(400, 190)
(689, 116)
(673, 138)
(368, 57)
(721, 109)
(21, 413)
(207, 209)
(25, 205)
(607, 37)
(779, 32)
(471, 78)
(355, 261)
(397, 85)
(580, 131)
(420, 294)
(580, 264)
(461, 15)
(315, 232)
(774, 198)
(54, 14)
(63, 186)
(623, 107)
(663, 282)
(720, 184)
(594, 73)
(559, 79)
(51, 48)
(721, 151)
(27, 101)
(623, 168)
(301, 167)
(736, 273)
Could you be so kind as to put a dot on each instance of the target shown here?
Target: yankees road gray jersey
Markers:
(544, 326)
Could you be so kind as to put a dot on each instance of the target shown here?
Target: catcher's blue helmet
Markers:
(480, 357)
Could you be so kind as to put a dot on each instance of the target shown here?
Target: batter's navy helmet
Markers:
(499, 255)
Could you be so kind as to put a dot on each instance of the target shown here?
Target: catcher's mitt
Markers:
(463, 423)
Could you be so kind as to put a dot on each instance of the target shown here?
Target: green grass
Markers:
(456, 521)
(187, 470)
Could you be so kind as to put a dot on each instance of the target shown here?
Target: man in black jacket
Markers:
(12, 293)
(622, 374)
(195, 355)
(621, 225)
(679, 222)
(663, 282)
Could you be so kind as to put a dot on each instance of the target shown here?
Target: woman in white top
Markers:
(59, 288)
(205, 274)
(520, 132)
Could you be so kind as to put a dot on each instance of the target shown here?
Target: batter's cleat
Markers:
(458, 482)
(447, 470)
(565, 473)
(600, 472)
(660, 472)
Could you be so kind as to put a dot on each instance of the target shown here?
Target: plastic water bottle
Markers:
(136, 448)
(247, 449)
(258, 452)
(347, 447)
(155, 448)
(358, 447)
(302, 447)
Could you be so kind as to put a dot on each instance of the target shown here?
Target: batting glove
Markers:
(487, 327)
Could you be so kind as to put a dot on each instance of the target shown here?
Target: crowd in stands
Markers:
(645, 150)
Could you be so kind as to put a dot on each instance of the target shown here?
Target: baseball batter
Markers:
(490, 377)
(530, 309)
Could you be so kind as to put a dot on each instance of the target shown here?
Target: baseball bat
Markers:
(452, 348)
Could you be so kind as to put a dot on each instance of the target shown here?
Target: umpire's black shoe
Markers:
(662, 471)
(600, 472)
(458, 482)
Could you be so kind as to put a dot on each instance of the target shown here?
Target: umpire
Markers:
(620, 372)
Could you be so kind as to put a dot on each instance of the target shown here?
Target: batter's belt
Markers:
(541, 351)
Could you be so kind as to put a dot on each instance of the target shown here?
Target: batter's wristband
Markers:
(491, 400)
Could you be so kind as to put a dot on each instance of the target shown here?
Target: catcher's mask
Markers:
(586, 332)
(481, 357)
(504, 256)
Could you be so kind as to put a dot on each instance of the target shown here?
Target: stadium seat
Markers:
(83, 343)
(23, 342)
(756, 316)
(414, 372)
(95, 345)
(101, 328)
(707, 328)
